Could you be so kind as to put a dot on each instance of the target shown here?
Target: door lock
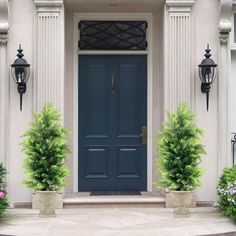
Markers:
(143, 135)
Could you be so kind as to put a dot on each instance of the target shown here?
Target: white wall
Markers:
(21, 32)
(206, 31)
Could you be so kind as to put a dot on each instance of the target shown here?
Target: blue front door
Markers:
(112, 122)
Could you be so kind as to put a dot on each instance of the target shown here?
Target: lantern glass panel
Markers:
(207, 74)
(20, 74)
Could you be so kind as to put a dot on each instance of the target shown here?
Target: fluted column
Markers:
(4, 81)
(178, 82)
(224, 158)
(49, 74)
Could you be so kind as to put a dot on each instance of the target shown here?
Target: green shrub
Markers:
(3, 197)
(3, 173)
(226, 191)
(180, 151)
(45, 148)
(3, 203)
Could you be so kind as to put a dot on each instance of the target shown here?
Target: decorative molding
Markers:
(48, 3)
(4, 16)
(225, 25)
(184, 3)
(178, 64)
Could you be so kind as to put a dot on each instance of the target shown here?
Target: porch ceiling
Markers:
(113, 5)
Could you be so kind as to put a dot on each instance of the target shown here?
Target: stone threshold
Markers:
(83, 199)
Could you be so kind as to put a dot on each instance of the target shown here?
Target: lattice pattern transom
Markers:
(113, 35)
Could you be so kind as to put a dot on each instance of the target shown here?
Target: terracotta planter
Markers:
(181, 201)
(47, 201)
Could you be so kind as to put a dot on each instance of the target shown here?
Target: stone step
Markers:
(82, 200)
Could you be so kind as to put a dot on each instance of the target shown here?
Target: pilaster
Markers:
(178, 82)
(223, 85)
(4, 81)
(49, 59)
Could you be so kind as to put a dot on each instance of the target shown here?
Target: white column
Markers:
(4, 81)
(178, 82)
(49, 49)
(223, 85)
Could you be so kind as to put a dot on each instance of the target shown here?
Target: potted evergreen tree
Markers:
(45, 148)
(180, 155)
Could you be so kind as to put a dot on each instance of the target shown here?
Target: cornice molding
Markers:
(4, 16)
(178, 3)
(225, 25)
(48, 3)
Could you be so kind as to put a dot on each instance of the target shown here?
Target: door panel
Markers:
(96, 97)
(112, 112)
(128, 163)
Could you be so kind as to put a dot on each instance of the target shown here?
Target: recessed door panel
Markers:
(96, 97)
(128, 165)
(96, 163)
(112, 115)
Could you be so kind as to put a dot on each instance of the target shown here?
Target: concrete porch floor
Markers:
(116, 222)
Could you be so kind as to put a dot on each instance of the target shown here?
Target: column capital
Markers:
(182, 3)
(179, 6)
(225, 25)
(48, 3)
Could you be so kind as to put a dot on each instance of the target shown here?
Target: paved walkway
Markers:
(116, 222)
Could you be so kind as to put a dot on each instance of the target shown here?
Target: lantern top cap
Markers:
(20, 61)
(207, 62)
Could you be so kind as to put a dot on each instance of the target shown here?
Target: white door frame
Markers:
(114, 16)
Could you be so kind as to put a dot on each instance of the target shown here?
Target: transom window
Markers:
(113, 35)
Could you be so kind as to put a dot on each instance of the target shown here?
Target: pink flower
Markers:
(2, 194)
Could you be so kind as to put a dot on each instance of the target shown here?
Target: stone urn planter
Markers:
(181, 200)
(47, 200)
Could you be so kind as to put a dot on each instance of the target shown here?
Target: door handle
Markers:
(143, 135)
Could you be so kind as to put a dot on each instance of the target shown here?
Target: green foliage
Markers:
(45, 148)
(226, 190)
(3, 205)
(180, 151)
(3, 198)
(3, 173)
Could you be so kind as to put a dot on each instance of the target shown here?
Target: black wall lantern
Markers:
(20, 70)
(207, 73)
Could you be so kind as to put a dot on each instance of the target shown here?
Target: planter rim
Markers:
(46, 191)
(180, 191)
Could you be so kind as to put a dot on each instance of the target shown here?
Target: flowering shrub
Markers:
(3, 198)
(227, 192)
(3, 203)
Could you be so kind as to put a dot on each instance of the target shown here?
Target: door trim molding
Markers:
(114, 16)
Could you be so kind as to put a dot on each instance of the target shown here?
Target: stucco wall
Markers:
(206, 31)
(21, 32)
